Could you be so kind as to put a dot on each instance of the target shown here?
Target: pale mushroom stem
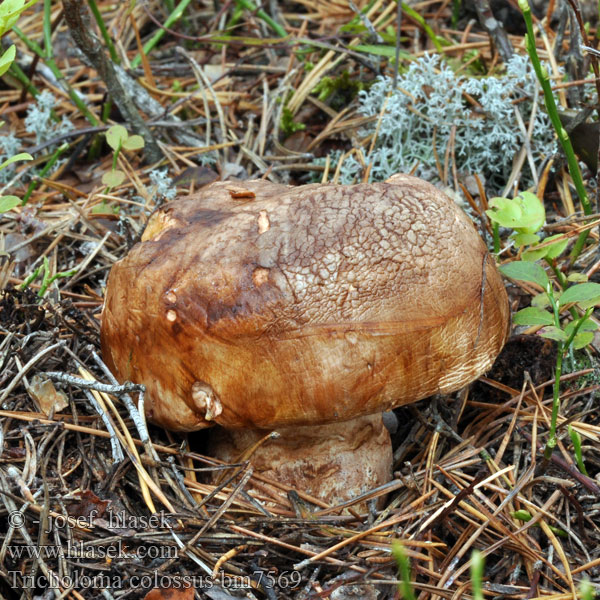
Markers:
(334, 462)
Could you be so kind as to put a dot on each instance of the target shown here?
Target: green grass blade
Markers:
(104, 31)
(151, 43)
(563, 137)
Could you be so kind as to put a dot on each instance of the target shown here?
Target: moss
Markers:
(339, 91)
(288, 125)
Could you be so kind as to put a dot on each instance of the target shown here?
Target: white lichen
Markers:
(41, 122)
(10, 145)
(430, 108)
(162, 185)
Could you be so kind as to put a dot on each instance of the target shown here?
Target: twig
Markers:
(81, 31)
(494, 28)
(117, 452)
(116, 390)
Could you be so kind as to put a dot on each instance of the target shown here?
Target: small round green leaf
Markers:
(113, 178)
(534, 213)
(135, 142)
(526, 271)
(505, 212)
(8, 203)
(10, 11)
(525, 213)
(577, 277)
(115, 136)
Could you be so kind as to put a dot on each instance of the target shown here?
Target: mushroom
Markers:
(307, 310)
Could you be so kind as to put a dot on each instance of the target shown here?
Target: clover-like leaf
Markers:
(113, 178)
(115, 136)
(534, 213)
(135, 142)
(533, 316)
(526, 271)
(8, 203)
(525, 213)
(505, 212)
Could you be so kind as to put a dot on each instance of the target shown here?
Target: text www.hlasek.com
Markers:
(80, 549)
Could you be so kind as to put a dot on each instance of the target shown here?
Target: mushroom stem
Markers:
(334, 462)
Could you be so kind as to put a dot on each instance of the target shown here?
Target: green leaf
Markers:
(115, 136)
(556, 249)
(10, 11)
(577, 277)
(540, 300)
(135, 142)
(583, 339)
(7, 59)
(8, 203)
(587, 325)
(553, 333)
(525, 239)
(505, 212)
(15, 158)
(525, 213)
(533, 316)
(531, 255)
(113, 178)
(534, 213)
(526, 271)
(581, 292)
(387, 51)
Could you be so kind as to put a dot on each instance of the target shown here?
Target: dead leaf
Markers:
(88, 504)
(47, 398)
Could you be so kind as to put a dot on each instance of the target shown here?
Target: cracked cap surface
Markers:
(289, 306)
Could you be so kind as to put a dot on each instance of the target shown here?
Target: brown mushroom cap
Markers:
(291, 306)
